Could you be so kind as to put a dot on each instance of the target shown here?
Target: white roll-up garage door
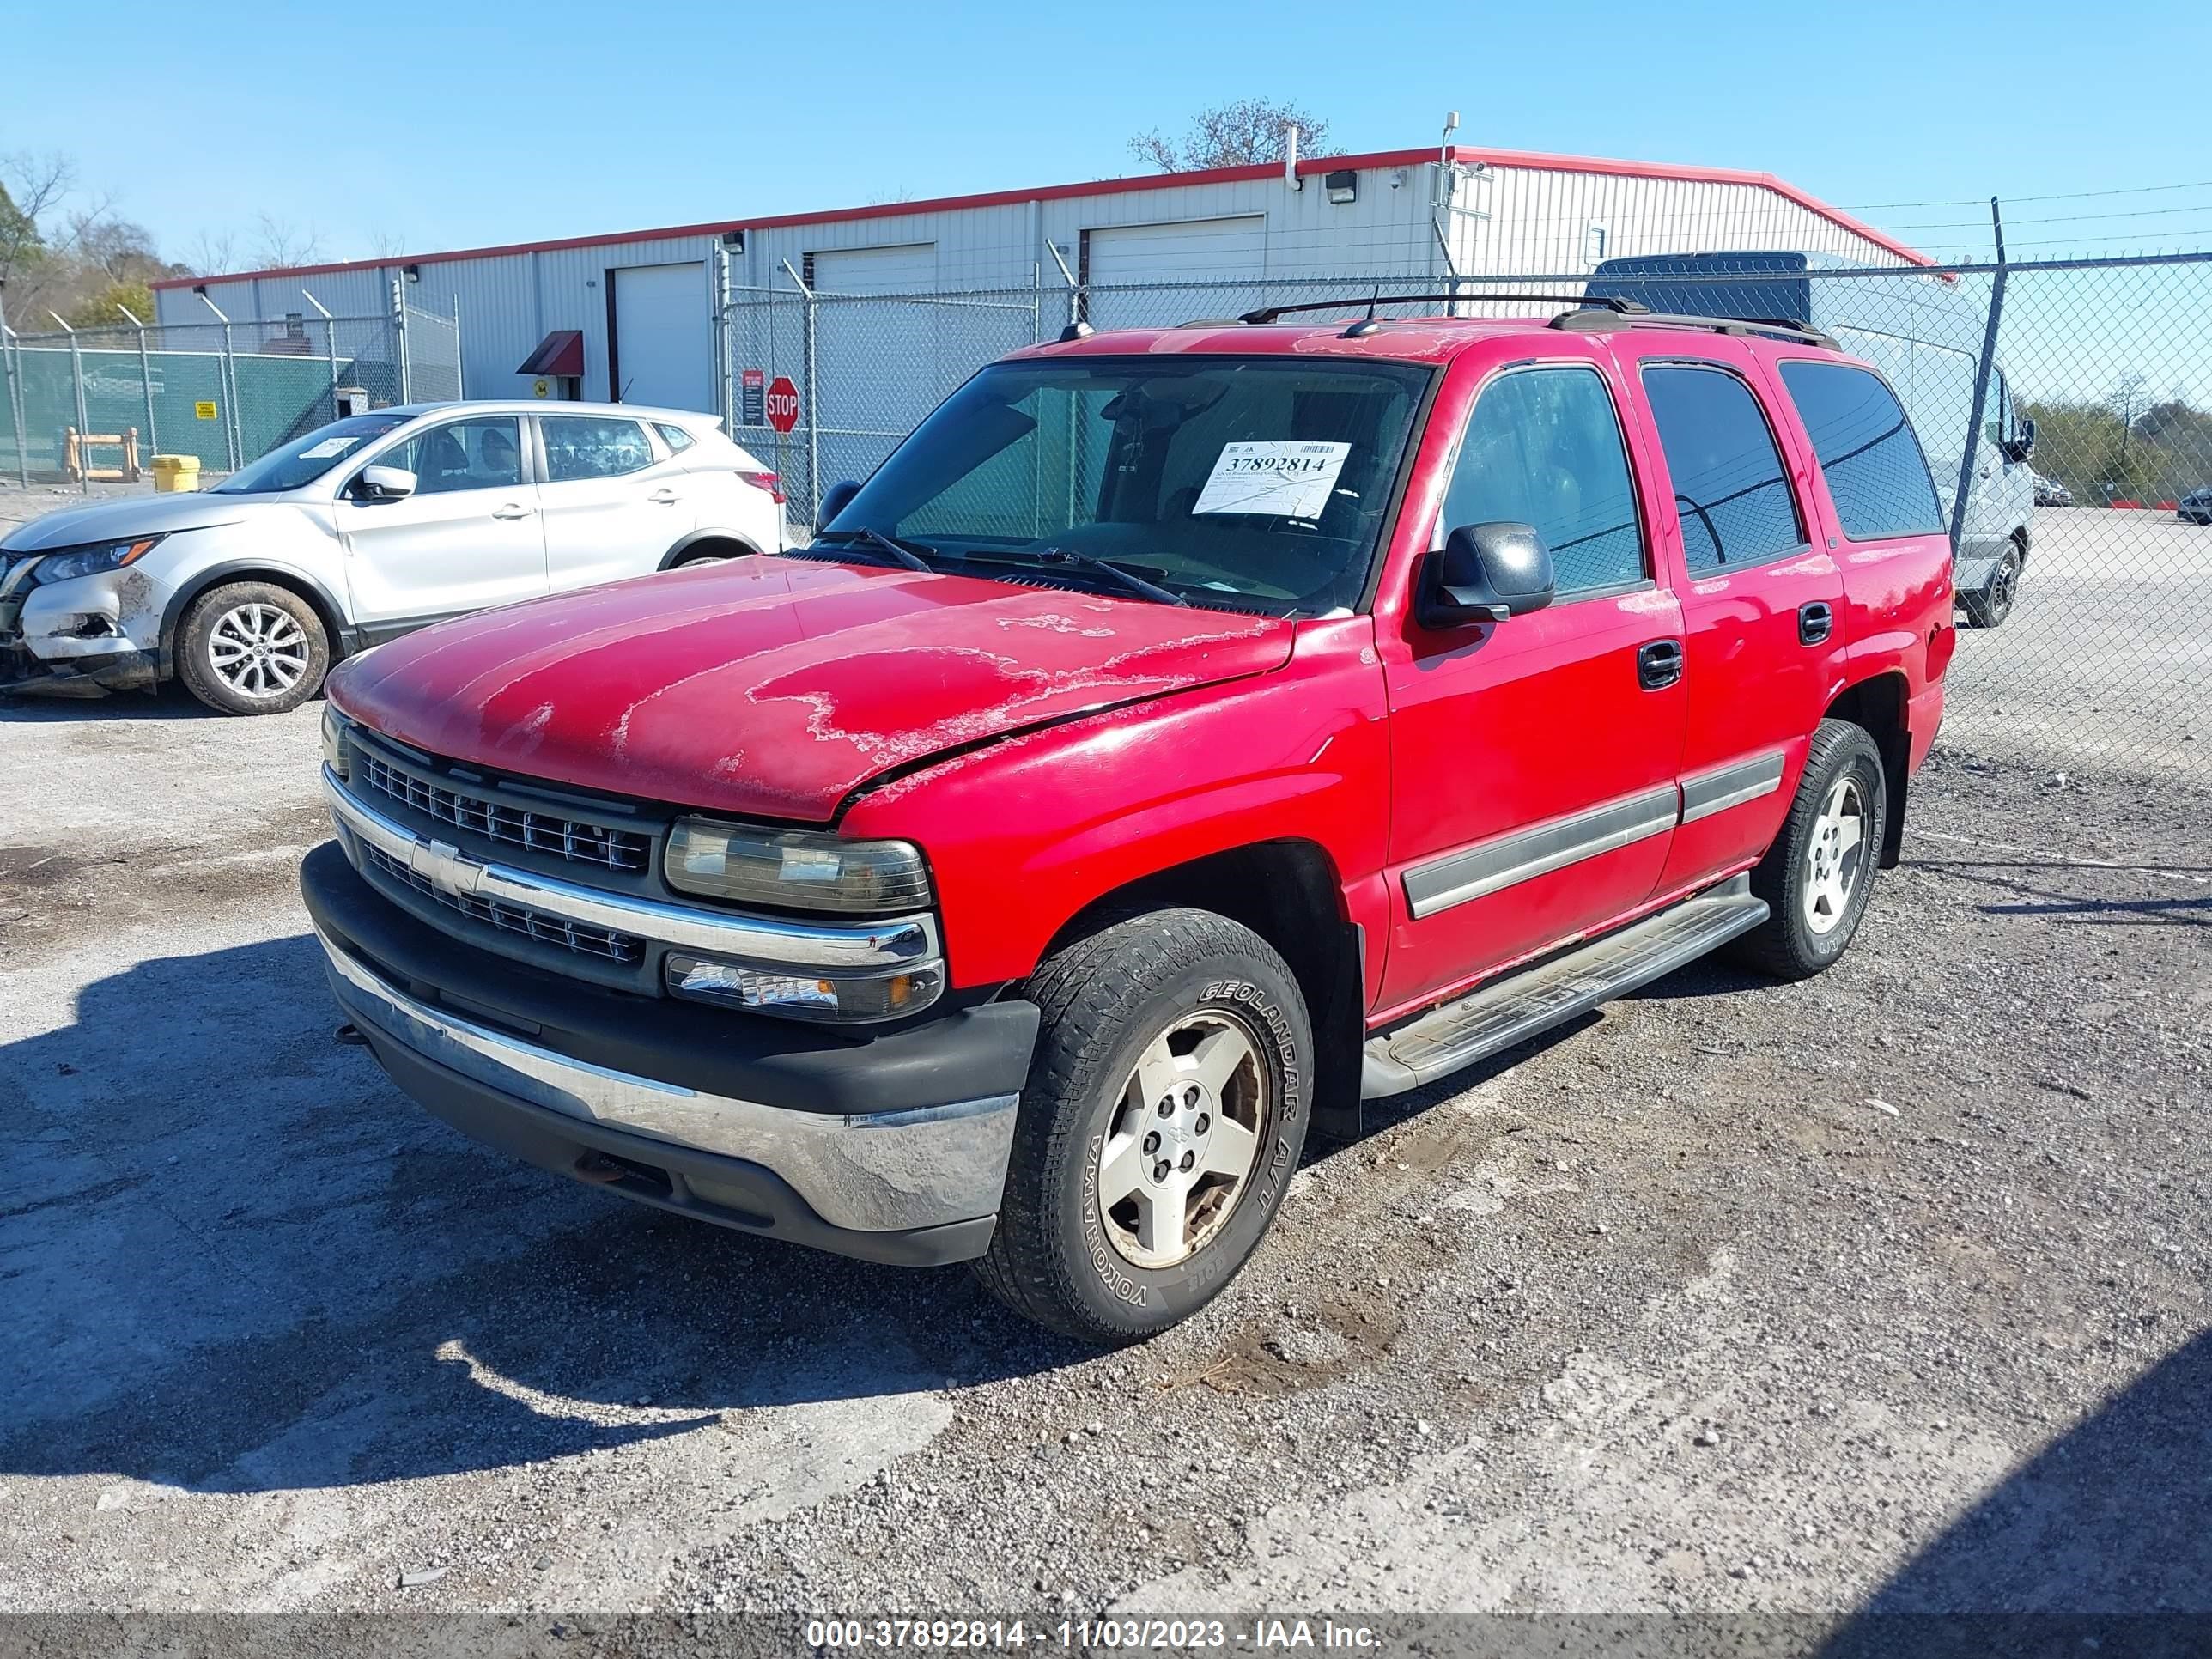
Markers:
(1188, 251)
(663, 345)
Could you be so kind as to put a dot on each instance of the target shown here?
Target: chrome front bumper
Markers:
(875, 1173)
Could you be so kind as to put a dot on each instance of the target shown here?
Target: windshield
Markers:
(1252, 484)
(303, 460)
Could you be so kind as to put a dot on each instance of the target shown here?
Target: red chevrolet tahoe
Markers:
(1183, 737)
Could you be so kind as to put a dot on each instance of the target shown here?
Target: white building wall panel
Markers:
(1531, 220)
(1503, 220)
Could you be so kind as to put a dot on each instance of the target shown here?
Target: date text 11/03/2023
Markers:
(1132, 1634)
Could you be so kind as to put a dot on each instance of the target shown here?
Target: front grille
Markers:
(581, 937)
(573, 839)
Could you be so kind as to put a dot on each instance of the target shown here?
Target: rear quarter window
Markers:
(1877, 474)
(1730, 490)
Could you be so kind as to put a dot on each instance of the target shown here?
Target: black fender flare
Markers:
(668, 559)
(325, 604)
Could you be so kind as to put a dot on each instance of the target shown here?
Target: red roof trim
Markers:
(1312, 165)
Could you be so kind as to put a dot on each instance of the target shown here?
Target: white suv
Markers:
(361, 530)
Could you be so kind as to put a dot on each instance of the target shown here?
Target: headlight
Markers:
(338, 753)
(91, 561)
(801, 995)
(794, 869)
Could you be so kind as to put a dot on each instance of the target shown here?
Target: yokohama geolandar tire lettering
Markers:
(1179, 1037)
(1817, 877)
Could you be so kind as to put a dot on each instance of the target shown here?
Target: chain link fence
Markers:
(2084, 556)
(866, 367)
(91, 404)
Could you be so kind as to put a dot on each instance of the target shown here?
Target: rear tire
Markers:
(252, 648)
(1817, 875)
(1989, 606)
(1165, 1110)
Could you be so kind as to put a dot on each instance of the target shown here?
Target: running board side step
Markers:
(1516, 1008)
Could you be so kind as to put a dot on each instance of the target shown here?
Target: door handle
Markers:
(511, 510)
(1659, 664)
(663, 496)
(1815, 622)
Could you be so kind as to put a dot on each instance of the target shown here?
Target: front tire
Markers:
(1817, 875)
(252, 648)
(1165, 1110)
(1989, 606)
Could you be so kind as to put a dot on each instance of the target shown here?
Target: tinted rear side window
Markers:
(1729, 490)
(1875, 471)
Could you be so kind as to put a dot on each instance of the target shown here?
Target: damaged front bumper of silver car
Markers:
(79, 637)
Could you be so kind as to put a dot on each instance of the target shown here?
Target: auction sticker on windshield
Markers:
(1279, 477)
(328, 447)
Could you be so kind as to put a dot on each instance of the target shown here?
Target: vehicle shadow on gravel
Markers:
(2112, 1520)
(235, 1258)
(2050, 891)
(170, 703)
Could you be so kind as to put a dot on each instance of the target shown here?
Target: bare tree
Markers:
(280, 242)
(386, 245)
(118, 249)
(212, 252)
(1245, 133)
(2130, 397)
(31, 187)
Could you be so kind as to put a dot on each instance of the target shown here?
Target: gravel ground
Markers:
(1888, 1290)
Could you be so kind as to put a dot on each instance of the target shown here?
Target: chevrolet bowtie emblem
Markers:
(440, 864)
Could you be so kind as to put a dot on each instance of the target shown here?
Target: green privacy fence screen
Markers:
(178, 401)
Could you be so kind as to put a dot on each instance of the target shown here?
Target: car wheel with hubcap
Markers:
(1818, 875)
(252, 648)
(1990, 605)
(1164, 1116)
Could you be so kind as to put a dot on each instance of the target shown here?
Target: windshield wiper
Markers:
(907, 553)
(1129, 578)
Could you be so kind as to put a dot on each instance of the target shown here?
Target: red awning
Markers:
(560, 352)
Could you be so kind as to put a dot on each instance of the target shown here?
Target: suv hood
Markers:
(772, 687)
(113, 521)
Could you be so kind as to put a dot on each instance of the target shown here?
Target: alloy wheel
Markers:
(259, 651)
(1836, 857)
(1185, 1139)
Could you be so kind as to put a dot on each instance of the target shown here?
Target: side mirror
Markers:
(2023, 446)
(384, 483)
(1484, 573)
(835, 500)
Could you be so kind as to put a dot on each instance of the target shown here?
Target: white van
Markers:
(1926, 336)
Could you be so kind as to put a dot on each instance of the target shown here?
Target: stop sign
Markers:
(782, 403)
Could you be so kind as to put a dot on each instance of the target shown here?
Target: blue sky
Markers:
(423, 127)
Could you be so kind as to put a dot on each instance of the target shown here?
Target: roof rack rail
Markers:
(1782, 328)
(1270, 313)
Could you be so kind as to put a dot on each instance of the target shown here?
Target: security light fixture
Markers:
(1343, 185)
(734, 241)
(414, 273)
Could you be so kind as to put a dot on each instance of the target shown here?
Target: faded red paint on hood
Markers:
(774, 687)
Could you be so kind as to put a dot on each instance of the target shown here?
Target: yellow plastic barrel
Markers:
(175, 472)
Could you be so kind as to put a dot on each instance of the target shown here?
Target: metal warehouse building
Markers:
(697, 316)
(645, 303)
